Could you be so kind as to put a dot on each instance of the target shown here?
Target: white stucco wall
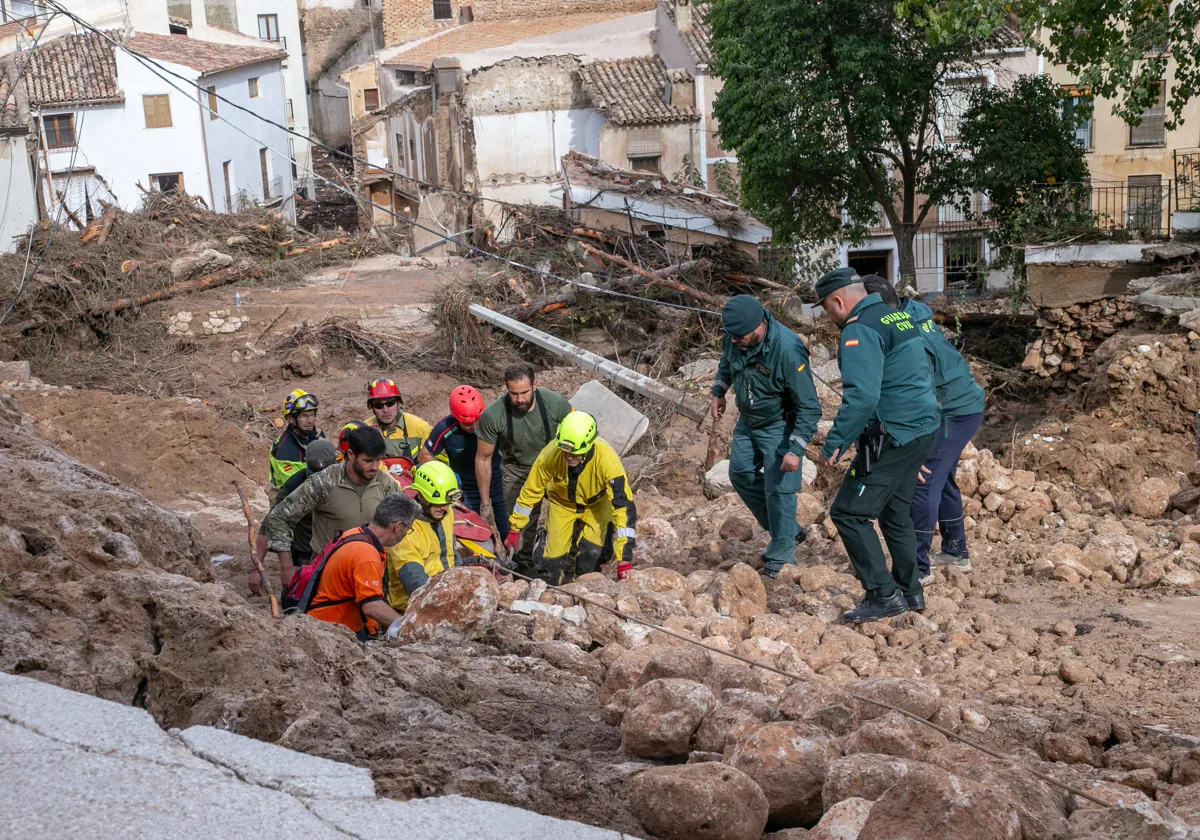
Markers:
(509, 147)
(18, 201)
(226, 143)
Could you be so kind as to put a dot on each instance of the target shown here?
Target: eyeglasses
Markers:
(388, 403)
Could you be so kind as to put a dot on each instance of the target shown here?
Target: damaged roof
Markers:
(73, 70)
(594, 184)
(482, 35)
(204, 56)
(697, 38)
(14, 107)
(633, 91)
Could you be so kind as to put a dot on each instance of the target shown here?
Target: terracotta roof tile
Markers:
(14, 110)
(697, 38)
(73, 70)
(489, 34)
(632, 91)
(205, 56)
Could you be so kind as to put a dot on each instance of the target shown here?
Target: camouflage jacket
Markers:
(335, 505)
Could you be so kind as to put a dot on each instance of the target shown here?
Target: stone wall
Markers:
(406, 20)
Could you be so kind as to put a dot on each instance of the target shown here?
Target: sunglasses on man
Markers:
(386, 403)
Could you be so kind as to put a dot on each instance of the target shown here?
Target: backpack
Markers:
(298, 595)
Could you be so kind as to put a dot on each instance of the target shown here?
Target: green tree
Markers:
(1019, 147)
(1121, 49)
(834, 105)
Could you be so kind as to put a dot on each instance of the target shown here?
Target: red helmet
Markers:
(381, 389)
(466, 404)
(343, 443)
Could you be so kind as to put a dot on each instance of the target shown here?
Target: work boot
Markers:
(941, 558)
(875, 607)
(916, 603)
(768, 574)
(801, 536)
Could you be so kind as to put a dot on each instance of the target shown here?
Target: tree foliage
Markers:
(1120, 49)
(833, 105)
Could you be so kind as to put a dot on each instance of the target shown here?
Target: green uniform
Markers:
(778, 413)
(886, 379)
(520, 439)
(957, 391)
(288, 453)
(405, 438)
(336, 503)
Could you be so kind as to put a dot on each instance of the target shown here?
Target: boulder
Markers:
(1069, 749)
(624, 673)
(1149, 499)
(681, 663)
(740, 594)
(864, 775)
(708, 801)
(716, 480)
(732, 720)
(843, 821)
(895, 734)
(1185, 804)
(809, 509)
(740, 528)
(1140, 821)
(663, 715)
(920, 697)
(821, 704)
(788, 761)
(207, 261)
(1105, 550)
(455, 606)
(657, 540)
(305, 361)
(930, 804)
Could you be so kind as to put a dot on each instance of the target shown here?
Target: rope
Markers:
(799, 678)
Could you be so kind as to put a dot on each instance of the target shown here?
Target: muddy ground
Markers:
(117, 507)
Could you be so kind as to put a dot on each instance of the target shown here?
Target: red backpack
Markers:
(298, 594)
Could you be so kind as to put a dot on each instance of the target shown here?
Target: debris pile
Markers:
(1070, 335)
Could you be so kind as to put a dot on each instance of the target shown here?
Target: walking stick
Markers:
(254, 557)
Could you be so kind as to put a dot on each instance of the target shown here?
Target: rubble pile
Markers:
(1070, 335)
(1154, 376)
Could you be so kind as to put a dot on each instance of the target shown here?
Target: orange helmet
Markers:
(466, 404)
(382, 389)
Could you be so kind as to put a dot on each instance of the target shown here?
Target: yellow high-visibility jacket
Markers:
(426, 550)
(601, 481)
(405, 439)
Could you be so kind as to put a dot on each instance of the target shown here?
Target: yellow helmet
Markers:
(298, 401)
(436, 483)
(576, 433)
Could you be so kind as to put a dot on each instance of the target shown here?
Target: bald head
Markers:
(841, 302)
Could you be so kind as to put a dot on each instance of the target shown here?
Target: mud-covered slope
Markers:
(106, 593)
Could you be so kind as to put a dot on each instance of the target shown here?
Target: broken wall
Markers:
(500, 9)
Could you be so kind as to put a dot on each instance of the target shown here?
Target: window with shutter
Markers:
(371, 98)
(158, 110)
(252, 84)
(643, 143)
(212, 102)
(60, 131)
(1152, 131)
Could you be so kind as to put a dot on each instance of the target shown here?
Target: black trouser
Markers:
(886, 494)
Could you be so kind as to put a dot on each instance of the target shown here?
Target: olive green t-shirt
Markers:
(529, 432)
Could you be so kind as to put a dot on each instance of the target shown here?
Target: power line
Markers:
(367, 202)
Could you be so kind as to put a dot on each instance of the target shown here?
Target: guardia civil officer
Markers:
(766, 365)
(890, 412)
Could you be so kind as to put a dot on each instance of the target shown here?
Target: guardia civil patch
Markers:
(851, 343)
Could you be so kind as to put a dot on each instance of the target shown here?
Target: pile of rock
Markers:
(218, 322)
(1070, 335)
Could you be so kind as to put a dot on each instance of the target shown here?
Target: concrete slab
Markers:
(1094, 253)
(620, 424)
(1054, 285)
(277, 768)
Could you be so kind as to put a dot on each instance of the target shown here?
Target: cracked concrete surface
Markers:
(76, 765)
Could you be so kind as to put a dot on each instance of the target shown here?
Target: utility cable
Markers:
(800, 678)
(367, 202)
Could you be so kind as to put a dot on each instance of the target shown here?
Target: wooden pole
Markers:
(253, 557)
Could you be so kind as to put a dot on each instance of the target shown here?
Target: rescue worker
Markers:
(937, 500)
(287, 453)
(343, 437)
(454, 439)
(350, 589)
(890, 410)
(591, 515)
(519, 425)
(339, 498)
(767, 367)
(428, 550)
(403, 432)
(319, 455)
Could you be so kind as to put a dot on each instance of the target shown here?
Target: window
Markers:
(442, 10)
(371, 98)
(266, 173)
(168, 182)
(268, 27)
(212, 102)
(400, 162)
(412, 150)
(225, 167)
(643, 147)
(1143, 203)
(956, 97)
(158, 110)
(964, 264)
(252, 84)
(291, 111)
(1077, 105)
(16, 10)
(60, 131)
(1151, 131)
(410, 77)
(871, 262)
(646, 164)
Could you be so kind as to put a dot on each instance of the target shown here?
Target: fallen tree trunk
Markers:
(240, 269)
(319, 246)
(653, 279)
